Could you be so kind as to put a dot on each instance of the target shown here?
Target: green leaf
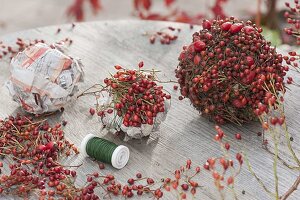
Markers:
(272, 35)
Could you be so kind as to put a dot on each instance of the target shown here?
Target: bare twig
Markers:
(292, 189)
(257, 178)
(282, 160)
(258, 13)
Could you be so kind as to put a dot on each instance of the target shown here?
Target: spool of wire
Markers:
(105, 151)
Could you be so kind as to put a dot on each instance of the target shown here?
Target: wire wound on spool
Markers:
(105, 151)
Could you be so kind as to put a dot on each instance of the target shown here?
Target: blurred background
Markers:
(16, 15)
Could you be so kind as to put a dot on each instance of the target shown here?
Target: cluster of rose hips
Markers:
(226, 69)
(174, 12)
(224, 163)
(76, 9)
(165, 36)
(292, 59)
(136, 97)
(292, 18)
(33, 149)
(21, 44)
(182, 183)
(11, 51)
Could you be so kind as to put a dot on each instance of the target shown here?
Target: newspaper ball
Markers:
(43, 79)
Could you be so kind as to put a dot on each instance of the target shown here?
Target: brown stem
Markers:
(258, 14)
(58, 164)
(292, 189)
(170, 81)
(271, 16)
(86, 90)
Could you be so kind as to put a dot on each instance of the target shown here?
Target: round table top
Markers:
(183, 135)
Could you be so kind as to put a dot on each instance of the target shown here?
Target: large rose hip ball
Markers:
(226, 71)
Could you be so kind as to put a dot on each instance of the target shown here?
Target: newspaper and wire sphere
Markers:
(43, 79)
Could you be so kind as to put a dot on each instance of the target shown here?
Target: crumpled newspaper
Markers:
(113, 124)
(43, 79)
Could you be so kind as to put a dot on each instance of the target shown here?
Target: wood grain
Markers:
(184, 134)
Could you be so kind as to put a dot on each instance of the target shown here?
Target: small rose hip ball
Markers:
(226, 69)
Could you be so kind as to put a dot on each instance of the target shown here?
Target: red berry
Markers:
(265, 125)
(197, 60)
(141, 64)
(89, 179)
(50, 145)
(41, 147)
(167, 188)
(110, 111)
(100, 114)
(216, 175)
(92, 111)
(199, 45)
(230, 180)
(193, 191)
(281, 120)
(118, 67)
(101, 166)
(206, 166)
(274, 120)
(130, 194)
(250, 60)
(149, 114)
(238, 136)
(136, 118)
(150, 181)
(139, 192)
(226, 26)
(238, 156)
(130, 181)
(139, 175)
(217, 137)
(248, 29)
(292, 53)
(189, 162)
(206, 24)
(238, 103)
(185, 186)
(235, 28)
(227, 146)
(152, 39)
(73, 173)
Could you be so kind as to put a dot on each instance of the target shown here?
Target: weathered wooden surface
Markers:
(184, 134)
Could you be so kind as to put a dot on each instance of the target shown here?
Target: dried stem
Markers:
(257, 178)
(287, 137)
(275, 165)
(292, 189)
(258, 13)
(282, 160)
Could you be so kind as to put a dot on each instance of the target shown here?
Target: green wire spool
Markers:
(105, 151)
